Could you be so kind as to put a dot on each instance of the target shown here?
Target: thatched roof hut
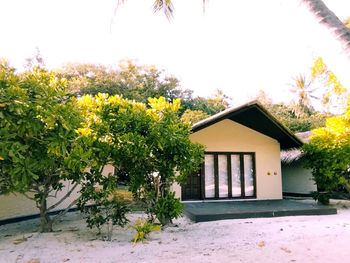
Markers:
(295, 154)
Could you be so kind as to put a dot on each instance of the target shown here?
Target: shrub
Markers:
(168, 208)
(321, 197)
(143, 228)
(101, 205)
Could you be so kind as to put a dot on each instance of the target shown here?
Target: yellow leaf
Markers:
(318, 68)
(261, 244)
(286, 250)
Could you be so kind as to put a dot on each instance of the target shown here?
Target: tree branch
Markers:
(27, 196)
(62, 213)
(63, 198)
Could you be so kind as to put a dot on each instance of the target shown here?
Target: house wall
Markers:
(229, 136)
(16, 205)
(297, 180)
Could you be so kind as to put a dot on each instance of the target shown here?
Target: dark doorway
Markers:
(192, 189)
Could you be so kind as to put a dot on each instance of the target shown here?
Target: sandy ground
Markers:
(284, 239)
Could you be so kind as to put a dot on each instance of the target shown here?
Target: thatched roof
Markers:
(294, 155)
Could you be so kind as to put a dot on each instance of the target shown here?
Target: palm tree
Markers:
(316, 7)
(159, 5)
(164, 5)
(304, 92)
(327, 18)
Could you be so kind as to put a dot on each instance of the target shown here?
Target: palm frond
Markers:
(166, 6)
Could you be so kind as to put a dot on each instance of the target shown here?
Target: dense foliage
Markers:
(295, 117)
(39, 147)
(149, 143)
(328, 154)
(50, 139)
(140, 83)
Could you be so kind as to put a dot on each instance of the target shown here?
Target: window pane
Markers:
(236, 175)
(223, 182)
(248, 175)
(209, 176)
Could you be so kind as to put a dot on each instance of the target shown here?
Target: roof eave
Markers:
(226, 113)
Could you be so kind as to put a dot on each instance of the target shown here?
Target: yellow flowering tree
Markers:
(328, 153)
(149, 143)
(334, 94)
(39, 146)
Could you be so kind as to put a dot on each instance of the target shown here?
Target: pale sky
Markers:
(237, 46)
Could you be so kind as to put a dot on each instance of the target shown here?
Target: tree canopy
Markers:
(297, 118)
(49, 138)
(148, 142)
(328, 153)
(39, 146)
(140, 82)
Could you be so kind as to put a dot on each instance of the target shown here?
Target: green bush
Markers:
(101, 205)
(328, 155)
(321, 197)
(143, 227)
(168, 208)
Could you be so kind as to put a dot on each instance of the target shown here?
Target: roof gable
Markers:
(254, 116)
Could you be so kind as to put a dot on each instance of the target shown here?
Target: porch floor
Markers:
(211, 211)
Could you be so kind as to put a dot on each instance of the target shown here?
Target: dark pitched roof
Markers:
(254, 116)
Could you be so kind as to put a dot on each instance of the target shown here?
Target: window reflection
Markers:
(209, 176)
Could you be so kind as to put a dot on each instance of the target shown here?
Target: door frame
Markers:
(229, 179)
(200, 186)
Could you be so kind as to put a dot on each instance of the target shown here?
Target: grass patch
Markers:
(134, 205)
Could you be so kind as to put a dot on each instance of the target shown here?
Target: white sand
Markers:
(284, 239)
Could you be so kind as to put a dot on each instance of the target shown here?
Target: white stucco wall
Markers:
(296, 179)
(229, 136)
(177, 189)
(15, 205)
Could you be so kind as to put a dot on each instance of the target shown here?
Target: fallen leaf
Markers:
(73, 229)
(19, 240)
(261, 244)
(286, 250)
(33, 260)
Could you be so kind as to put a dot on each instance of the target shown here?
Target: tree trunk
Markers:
(45, 220)
(327, 18)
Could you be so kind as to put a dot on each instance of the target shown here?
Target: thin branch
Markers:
(62, 213)
(55, 195)
(63, 198)
(27, 196)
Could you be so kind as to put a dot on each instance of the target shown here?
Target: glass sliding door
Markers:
(223, 176)
(229, 175)
(209, 176)
(236, 175)
(248, 175)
